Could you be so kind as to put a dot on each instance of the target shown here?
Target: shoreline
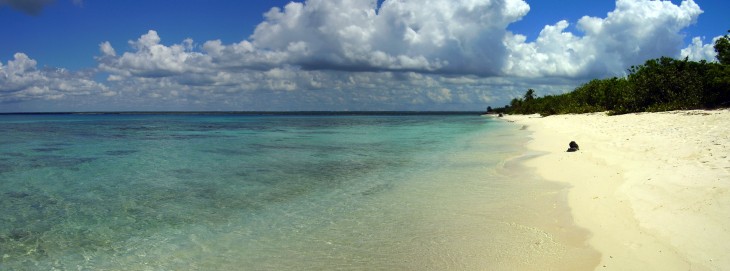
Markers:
(651, 188)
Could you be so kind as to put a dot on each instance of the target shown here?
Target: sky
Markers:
(331, 55)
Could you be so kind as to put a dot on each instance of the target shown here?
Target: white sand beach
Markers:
(652, 188)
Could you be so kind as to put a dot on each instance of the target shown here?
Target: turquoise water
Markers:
(270, 192)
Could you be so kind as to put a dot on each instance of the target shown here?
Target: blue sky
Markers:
(92, 55)
(64, 34)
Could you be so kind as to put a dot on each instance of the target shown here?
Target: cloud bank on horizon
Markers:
(358, 55)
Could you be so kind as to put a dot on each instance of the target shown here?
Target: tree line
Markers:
(661, 84)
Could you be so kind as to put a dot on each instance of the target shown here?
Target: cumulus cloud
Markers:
(152, 59)
(635, 31)
(439, 36)
(21, 80)
(356, 55)
(699, 51)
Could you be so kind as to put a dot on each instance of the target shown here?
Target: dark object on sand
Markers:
(573, 146)
(500, 115)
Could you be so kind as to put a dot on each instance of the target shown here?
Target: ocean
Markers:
(215, 191)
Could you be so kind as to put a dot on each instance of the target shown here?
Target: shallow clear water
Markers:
(245, 192)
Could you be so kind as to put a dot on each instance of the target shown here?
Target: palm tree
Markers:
(529, 95)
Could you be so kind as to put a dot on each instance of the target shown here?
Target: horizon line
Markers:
(304, 112)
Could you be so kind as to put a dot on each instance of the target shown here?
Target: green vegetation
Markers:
(658, 85)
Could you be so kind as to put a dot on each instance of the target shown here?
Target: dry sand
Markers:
(652, 188)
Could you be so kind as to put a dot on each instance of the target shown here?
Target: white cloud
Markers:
(635, 31)
(107, 49)
(442, 95)
(699, 51)
(466, 37)
(439, 36)
(317, 45)
(21, 80)
(352, 54)
(152, 59)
